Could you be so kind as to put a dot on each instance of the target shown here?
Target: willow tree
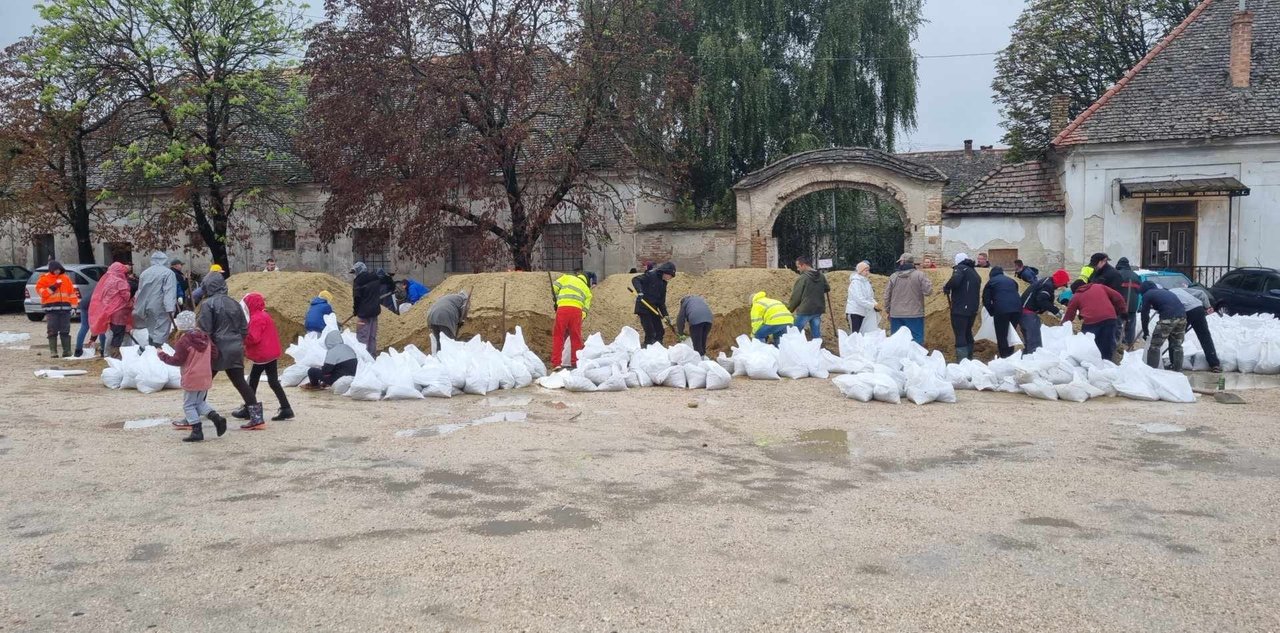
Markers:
(780, 76)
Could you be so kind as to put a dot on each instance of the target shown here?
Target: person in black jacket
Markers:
(1130, 288)
(366, 294)
(1104, 273)
(1024, 272)
(1037, 300)
(962, 293)
(1000, 298)
(651, 288)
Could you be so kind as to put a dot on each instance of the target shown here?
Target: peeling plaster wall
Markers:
(692, 251)
(1090, 181)
(1038, 239)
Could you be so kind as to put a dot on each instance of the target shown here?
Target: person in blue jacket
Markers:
(320, 306)
(414, 291)
(1004, 303)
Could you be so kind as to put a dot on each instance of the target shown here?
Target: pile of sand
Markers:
(529, 304)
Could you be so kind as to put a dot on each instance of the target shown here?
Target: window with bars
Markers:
(284, 240)
(373, 247)
(562, 247)
(466, 250)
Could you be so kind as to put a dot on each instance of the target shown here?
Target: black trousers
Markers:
(1003, 323)
(962, 327)
(329, 374)
(1198, 319)
(652, 325)
(273, 380)
(855, 323)
(236, 376)
(699, 332)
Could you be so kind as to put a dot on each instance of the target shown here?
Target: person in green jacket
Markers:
(809, 297)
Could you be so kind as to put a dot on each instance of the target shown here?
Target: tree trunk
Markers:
(80, 201)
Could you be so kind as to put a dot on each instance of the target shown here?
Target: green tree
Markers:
(212, 99)
(1077, 48)
(780, 76)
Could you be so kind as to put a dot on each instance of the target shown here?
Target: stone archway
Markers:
(762, 195)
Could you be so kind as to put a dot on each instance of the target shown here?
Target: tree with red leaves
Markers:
(499, 116)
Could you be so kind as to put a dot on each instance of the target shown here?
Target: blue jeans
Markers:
(1031, 340)
(84, 331)
(914, 324)
(812, 321)
(767, 332)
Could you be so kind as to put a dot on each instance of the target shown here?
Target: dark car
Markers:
(1249, 291)
(13, 281)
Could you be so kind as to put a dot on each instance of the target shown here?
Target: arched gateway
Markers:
(916, 189)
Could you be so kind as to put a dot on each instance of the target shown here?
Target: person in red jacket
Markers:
(262, 348)
(195, 353)
(1100, 308)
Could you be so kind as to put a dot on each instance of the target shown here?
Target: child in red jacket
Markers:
(262, 348)
(194, 353)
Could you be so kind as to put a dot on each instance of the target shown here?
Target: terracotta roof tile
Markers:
(1029, 188)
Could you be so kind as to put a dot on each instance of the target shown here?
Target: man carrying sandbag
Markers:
(446, 317)
(1172, 326)
(1000, 298)
(573, 301)
(1100, 308)
(904, 298)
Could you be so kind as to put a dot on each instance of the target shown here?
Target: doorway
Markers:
(1169, 236)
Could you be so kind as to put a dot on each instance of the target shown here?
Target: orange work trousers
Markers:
(568, 324)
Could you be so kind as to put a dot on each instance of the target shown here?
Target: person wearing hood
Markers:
(366, 299)
(1000, 298)
(223, 320)
(904, 298)
(809, 297)
(1172, 326)
(339, 360)
(860, 306)
(770, 319)
(1037, 300)
(58, 295)
(262, 348)
(195, 354)
(962, 292)
(651, 296)
(321, 306)
(157, 299)
(387, 290)
(414, 291)
(573, 302)
(1131, 289)
(1100, 307)
(111, 308)
(1199, 305)
(695, 312)
(446, 316)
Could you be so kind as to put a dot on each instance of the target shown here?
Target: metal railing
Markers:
(1203, 275)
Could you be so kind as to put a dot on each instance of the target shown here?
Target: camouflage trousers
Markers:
(1173, 331)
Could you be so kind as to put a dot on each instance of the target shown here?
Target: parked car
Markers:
(13, 281)
(1249, 291)
(84, 276)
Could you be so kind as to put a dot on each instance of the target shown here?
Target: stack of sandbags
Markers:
(623, 365)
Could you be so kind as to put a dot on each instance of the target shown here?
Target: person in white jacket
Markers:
(861, 304)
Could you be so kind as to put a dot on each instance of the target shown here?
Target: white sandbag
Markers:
(112, 375)
(615, 382)
(152, 374)
(959, 377)
(761, 367)
(597, 375)
(577, 383)
(1268, 358)
(554, 380)
(717, 376)
(1247, 358)
(674, 378)
(981, 377)
(987, 330)
(1041, 389)
(1083, 349)
(725, 362)
(860, 387)
(884, 388)
(342, 385)
(294, 375)
(899, 348)
(366, 385)
(1104, 379)
(924, 386)
(518, 370)
(1131, 381)
(683, 354)
(695, 375)
(651, 360)
(433, 380)
(1074, 391)
(1171, 386)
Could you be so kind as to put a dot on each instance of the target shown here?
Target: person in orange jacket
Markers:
(57, 296)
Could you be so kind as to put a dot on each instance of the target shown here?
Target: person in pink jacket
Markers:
(194, 353)
(262, 348)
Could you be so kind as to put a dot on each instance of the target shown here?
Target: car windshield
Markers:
(1169, 282)
(93, 272)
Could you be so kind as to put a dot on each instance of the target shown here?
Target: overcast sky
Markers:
(955, 93)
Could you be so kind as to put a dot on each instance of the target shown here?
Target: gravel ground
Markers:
(770, 506)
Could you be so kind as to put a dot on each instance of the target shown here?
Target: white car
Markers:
(85, 277)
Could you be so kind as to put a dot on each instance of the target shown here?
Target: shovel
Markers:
(658, 314)
(1220, 396)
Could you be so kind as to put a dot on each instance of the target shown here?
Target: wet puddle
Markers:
(1156, 428)
(501, 402)
(1237, 382)
(821, 445)
(448, 429)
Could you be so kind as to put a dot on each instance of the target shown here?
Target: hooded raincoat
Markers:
(262, 342)
(157, 298)
(112, 303)
(222, 318)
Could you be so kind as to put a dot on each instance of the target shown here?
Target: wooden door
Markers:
(1169, 245)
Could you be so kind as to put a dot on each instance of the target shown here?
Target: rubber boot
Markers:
(53, 347)
(66, 346)
(1175, 359)
(963, 353)
(219, 422)
(286, 413)
(197, 435)
(242, 413)
(79, 352)
(255, 419)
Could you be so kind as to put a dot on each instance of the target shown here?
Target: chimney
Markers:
(1241, 47)
(1059, 114)
(968, 148)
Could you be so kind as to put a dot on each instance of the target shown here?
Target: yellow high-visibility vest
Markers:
(572, 291)
(766, 311)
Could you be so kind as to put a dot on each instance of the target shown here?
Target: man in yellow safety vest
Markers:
(573, 301)
(769, 318)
